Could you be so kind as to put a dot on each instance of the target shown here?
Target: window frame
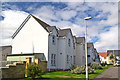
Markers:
(53, 40)
(69, 42)
(53, 59)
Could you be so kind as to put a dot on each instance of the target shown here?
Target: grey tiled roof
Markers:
(44, 25)
(5, 47)
(63, 32)
(90, 45)
(80, 40)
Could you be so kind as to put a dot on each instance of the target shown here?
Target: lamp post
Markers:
(87, 18)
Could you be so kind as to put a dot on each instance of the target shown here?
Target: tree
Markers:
(34, 70)
(111, 56)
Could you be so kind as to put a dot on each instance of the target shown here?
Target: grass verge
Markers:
(67, 74)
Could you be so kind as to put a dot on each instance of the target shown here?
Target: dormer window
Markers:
(53, 40)
(69, 42)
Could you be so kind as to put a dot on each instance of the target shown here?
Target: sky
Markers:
(102, 28)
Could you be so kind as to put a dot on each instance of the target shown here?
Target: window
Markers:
(104, 57)
(74, 45)
(69, 42)
(67, 58)
(60, 53)
(53, 39)
(53, 58)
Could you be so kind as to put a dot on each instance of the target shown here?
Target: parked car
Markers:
(118, 60)
(118, 63)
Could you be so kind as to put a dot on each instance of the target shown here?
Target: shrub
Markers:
(81, 70)
(111, 56)
(34, 70)
(95, 65)
(73, 67)
(103, 64)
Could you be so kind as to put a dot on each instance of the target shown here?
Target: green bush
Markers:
(111, 57)
(95, 65)
(73, 67)
(81, 70)
(34, 70)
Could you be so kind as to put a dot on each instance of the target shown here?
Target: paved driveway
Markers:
(111, 73)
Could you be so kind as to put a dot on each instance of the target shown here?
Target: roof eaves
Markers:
(42, 23)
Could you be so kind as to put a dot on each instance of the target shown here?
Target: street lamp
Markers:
(87, 18)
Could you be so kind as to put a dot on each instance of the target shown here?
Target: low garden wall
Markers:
(15, 70)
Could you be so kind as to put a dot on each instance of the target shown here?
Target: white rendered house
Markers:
(90, 49)
(65, 48)
(103, 57)
(35, 36)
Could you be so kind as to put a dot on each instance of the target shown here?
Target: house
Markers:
(97, 59)
(103, 57)
(90, 52)
(74, 50)
(4, 51)
(36, 39)
(80, 51)
(65, 48)
(114, 56)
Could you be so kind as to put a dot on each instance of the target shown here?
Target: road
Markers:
(113, 73)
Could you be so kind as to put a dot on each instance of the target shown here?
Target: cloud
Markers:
(66, 14)
(108, 40)
(45, 12)
(70, 15)
(12, 20)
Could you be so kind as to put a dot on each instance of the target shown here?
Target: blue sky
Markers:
(102, 28)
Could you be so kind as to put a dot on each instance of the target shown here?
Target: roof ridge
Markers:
(65, 29)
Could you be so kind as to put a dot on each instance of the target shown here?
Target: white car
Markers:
(118, 60)
(118, 57)
(118, 63)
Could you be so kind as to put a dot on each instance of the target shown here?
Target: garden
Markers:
(76, 72)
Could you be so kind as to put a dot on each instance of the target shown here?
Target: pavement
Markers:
(113, 73)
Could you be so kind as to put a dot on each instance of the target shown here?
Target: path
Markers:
(112, 72)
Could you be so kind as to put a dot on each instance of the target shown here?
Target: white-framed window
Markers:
(69, 42)
(53, 40)
(53, 59)
(67, 58)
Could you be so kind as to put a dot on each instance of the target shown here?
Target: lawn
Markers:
(68, 74)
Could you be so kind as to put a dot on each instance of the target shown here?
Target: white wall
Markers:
(69, 50)
(103, 60)
(65, 49)
(32, 38)
(91, 53)
(74, 52)
(52, 49)
(80, 54)
(61, 53)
